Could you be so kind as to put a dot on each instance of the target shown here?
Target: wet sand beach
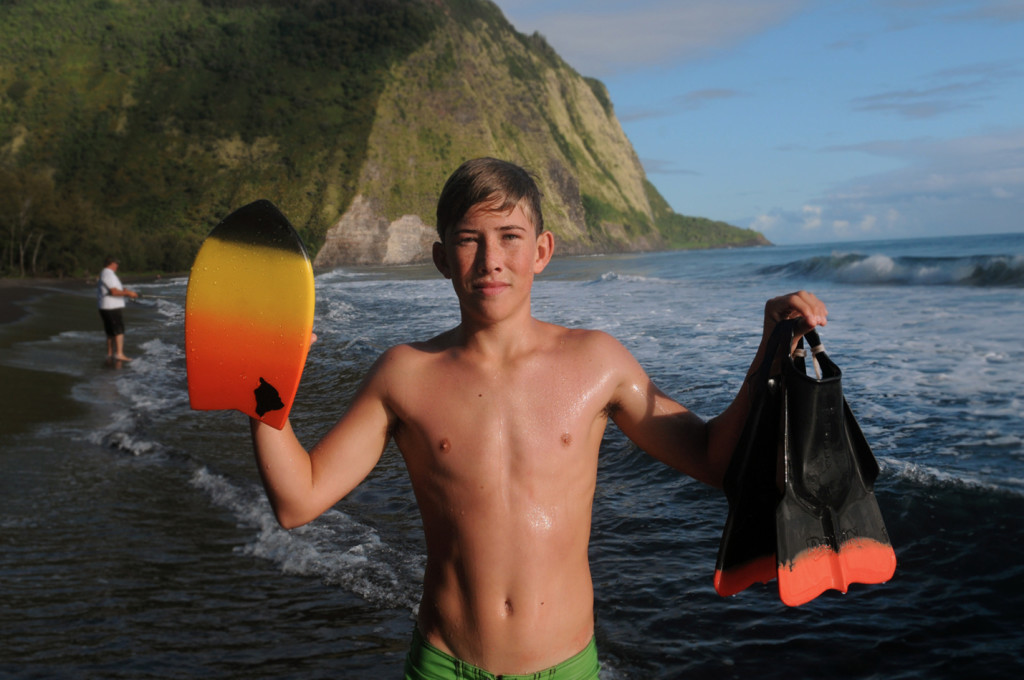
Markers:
(15, 294)
(32, 310)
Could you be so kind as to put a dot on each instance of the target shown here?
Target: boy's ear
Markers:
(545, 249)
(441, 260)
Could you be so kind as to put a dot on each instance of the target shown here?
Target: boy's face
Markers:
(491, 258)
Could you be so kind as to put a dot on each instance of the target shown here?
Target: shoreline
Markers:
(16, 294)
(31, 310)
(38, 386)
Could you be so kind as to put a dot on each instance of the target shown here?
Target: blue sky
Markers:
(832, 120)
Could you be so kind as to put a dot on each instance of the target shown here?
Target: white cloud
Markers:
(766, 224)
(965, 166)
(599, 38)
(868, 224)
(949, 90)
(993, 10)
(968, 177)
(698, 98)
(663, 167)
(812, 217)
(690, 101)
(966, 185)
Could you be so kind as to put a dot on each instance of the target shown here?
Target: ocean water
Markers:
(136, 542)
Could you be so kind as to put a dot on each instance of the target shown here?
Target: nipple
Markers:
(446, 446)
(566, 439)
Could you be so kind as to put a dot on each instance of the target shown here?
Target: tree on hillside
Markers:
(46, 233)
(24, 195)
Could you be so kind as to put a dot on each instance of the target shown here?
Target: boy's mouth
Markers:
(490, 287)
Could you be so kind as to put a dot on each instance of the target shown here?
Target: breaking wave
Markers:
(976, 270)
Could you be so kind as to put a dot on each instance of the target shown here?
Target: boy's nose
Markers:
(488, 258)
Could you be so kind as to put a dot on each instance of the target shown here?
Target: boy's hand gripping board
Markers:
(249, 315)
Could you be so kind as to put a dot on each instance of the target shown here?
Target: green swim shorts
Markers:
(426, 662)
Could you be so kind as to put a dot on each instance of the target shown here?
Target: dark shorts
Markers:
(427, 662)
(113, 322)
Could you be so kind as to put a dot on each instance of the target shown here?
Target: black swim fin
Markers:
(800, 486)
(747, 553)
(829, 528)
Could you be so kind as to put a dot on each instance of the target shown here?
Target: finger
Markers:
(810, 307)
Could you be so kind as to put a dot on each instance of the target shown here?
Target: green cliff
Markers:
(135, 125)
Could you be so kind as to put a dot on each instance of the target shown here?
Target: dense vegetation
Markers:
(685, 231)
(133, 126)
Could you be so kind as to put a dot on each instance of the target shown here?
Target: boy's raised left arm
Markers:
(671, 433)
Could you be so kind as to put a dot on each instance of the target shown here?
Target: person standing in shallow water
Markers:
(111, 294)
(500, 421)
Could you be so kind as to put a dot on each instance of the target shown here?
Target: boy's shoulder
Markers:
(571, 343)
(582, 349)
(418, 350)
(584, 339)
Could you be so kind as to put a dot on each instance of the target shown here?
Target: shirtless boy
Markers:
(499, 421)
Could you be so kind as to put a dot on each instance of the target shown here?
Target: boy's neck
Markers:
(503, 339)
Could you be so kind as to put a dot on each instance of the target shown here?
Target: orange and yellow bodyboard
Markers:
(249, 315)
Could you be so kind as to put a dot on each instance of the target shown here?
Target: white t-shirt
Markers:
(108, 282)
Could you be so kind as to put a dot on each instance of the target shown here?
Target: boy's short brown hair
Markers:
(488, 180)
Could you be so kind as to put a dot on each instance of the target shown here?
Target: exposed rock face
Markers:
(364, 236)
(409, 240)
(475, 88)
(482, 90)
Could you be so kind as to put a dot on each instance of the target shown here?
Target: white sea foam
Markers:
(928, 370)
(336, 548)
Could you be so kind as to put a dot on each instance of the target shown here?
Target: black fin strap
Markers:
(783, 333)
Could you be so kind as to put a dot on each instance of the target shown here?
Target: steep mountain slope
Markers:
(134, 125)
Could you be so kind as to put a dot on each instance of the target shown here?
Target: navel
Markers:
(566, 439)
(508, 607)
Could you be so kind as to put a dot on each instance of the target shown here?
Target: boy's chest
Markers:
(522, 417)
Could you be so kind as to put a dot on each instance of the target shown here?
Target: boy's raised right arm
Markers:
(302, 485)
